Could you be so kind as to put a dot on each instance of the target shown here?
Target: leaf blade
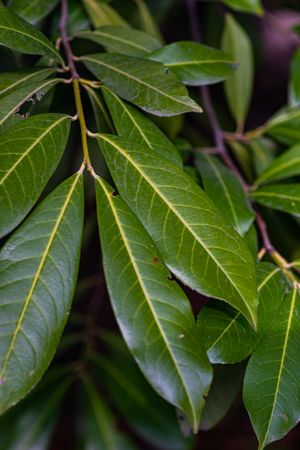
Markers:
(282, 197)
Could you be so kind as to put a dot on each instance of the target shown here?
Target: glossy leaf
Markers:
(246, 6)
(272, 385)
(238, 88)
(17, 34)
(38, 273)
(285, 126)
(11, 81)
(101, 13)
(134, 125)
(195, 64)
(145, 83)
(32, 10)
(29, 154)
(226, 192)
(153, 313)
(10, 104)
(283, 197)
(124, 40)
(194, 241)
(226, 335)
(284, 166)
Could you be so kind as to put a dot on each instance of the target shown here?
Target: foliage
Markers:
(180, 204)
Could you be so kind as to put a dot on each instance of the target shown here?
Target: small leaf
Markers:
(11, 81)
(246, 6)
(145, 83)
(283, 197)
(29, 154)
(134, 125)
(39, 265)
(226, 335)
(285, 126)
(238, 88)
(17, 34)
(294, 85)
(194, 241)
(31, 10)
(147, 22)
(284, 166)
(101, 13)
(195, 64)
(123, 40)
(153, 313)
(272, 385)
(226, 192)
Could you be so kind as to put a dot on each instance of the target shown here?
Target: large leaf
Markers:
(124, 40)
(32, 10)
(153, 313)
(134, 125)
(285, 126)
(283, 197)
(195, 64)
(144, 83)
(272, 384)
(226, 192)
(226, 335)
(100, 13)
(247, 6)
(31, 92)
(196, 244)
(238, 88)
(29, 154)
(38, 271)
(284, 166)
(11, 81)
(19, 35)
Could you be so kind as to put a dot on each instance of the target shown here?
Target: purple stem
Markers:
(65, 39)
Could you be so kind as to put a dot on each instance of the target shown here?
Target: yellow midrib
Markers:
(119, 39)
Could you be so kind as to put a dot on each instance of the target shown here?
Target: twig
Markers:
(64, 38)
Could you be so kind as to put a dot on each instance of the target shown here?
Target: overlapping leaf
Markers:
(272, 384)
(195, 64)
(130, 123)
(32, 10)
(19, 35)
(145, 83)
(38, 270)
(283, 197)
(247, 6)
(225, 191)
(285, 126)
(196, 244)
(153, 313)
(29, 154)
(11, 81)
(101, 13)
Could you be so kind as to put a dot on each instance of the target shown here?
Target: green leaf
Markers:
(134, 125)
(98, 429)
(246, 6)
(284, 166)
(11, 81)
(102, 117)
(225, 387)
(145, 83)
(263, 150)
(147, 22)
(272, 385)
(238, 88)
(146, 412)
(124, 40)
(38, 271)
(285, 126)
(195, 64)
(294, 85)
(153, 313)
(29, 154)
(226, 192)
(30, 92)
(17, 34)
(101, 13)
(283, 197)
(226, 335)
(194, 241)
(32, 10)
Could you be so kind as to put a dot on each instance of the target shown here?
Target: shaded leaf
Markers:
(153, 313)
(147, 22)
(102, 118)
(294, 85)
(263, 150)
(11, 81)
(19, 35)
(32, 10)
(247, 6)
(285, 126)
(124, 40)
(134, 125)
(272, 385)
(29, 154)
(226, 192)
(283, 197)
(144, 83)
(195, 64)
(194, 241)
(38, 273)
(101, 13)
(238, 88)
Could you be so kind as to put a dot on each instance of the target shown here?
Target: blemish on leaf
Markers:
(114, 193)
(155, 260)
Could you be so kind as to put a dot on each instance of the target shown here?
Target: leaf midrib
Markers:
(198, 62)
(21, 80)
(115, 38)
(271, 172)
